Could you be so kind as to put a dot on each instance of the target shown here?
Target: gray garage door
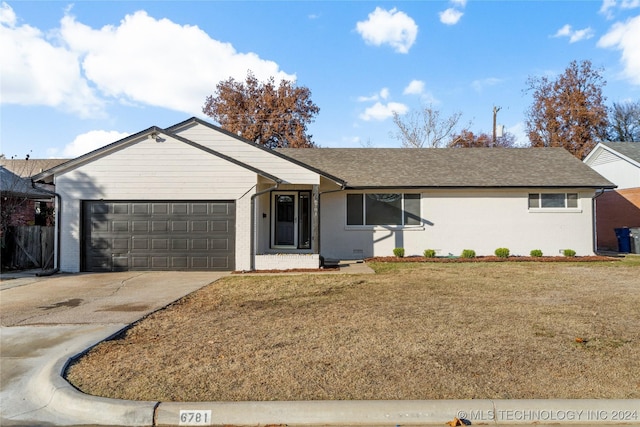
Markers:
(159, 235)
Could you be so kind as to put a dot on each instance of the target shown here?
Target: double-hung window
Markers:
(553, 200)
(395, 209)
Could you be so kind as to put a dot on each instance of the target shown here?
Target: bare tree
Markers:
(424, 128)
(568, 111)
(624, 122)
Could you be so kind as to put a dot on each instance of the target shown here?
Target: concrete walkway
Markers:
(48, 321)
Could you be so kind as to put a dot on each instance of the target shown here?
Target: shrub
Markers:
(502, 252)
(536, 253)
(429, 253)
(468, 253)
(569, 253)
(399, 252)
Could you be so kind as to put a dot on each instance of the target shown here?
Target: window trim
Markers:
(403, 216)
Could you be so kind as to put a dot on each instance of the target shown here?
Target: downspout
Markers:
(58, 229)
(595, 219)
(254, 219)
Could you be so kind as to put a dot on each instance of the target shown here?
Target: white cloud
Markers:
(519, 131)
(7, 15)
(393, 28)
(380, 111)
(608, 5)
(37, 72)
(90, 141)
(459, 3)
(450, 16)
(143, 55)
(415, 87)
(574, 35)
(383, 94)
(626, 38)
(480, 84)
(142, 60)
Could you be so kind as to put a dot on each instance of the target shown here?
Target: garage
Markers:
(158, 235)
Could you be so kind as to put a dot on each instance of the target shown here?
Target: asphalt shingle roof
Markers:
(450, 167)
(28, 168)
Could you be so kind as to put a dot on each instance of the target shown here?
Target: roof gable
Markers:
(629, 151)
(152, 132)
(451, 167)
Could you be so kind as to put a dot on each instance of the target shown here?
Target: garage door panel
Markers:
(160, 244)
(160, 208)
(179, 226)
(220, 226)
(140, 235)
(199, 226)
(121, 208)
(120, 226)
(200, 208)
(140, 226)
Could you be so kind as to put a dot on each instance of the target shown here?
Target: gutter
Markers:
(58, 217)
(254, 218)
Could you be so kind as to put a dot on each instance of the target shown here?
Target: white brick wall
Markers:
(243, 232)
(287, 261)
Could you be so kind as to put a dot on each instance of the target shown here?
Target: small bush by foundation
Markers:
(502, 252)
(429, 253)
(468, 253)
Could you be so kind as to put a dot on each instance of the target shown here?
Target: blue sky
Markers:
(79, 75)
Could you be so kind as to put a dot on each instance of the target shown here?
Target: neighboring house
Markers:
(22, 204)
(619, 162)
(194, 196)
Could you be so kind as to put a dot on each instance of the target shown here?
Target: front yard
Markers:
(412, 331)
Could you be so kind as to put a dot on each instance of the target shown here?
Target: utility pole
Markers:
(495, 114)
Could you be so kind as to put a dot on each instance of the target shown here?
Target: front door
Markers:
(291, 220)
(285, 230)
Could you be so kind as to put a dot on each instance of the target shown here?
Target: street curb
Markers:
(72, 407)
(405, 413)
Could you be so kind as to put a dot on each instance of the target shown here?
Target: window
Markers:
(383, 209)
(553, 200)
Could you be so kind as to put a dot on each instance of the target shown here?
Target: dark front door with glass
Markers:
(291, 220)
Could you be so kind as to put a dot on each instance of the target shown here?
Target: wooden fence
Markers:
(27, 247)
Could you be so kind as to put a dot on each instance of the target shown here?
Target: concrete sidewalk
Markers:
(49, 322)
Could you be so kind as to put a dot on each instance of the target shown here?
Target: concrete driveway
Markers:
(46, 320)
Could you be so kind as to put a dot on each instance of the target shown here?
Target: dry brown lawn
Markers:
(411, 331)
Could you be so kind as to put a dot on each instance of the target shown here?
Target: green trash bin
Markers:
(634, 237)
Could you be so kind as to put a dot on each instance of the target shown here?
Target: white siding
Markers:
(620, 172)
(150, 170)
(454, 220)
(616, 169)
(253, 156)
